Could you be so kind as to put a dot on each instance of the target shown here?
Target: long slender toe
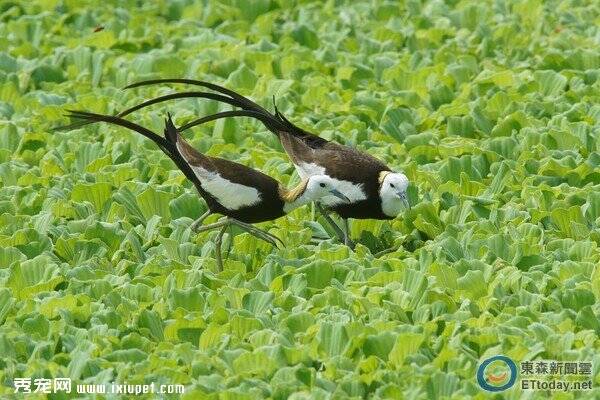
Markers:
(212, 226)
(259, 233)
(199, 221)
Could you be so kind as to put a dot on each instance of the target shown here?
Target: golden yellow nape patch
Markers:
(292, 194)
(382, 176)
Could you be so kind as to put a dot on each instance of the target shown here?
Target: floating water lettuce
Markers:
(490, 110)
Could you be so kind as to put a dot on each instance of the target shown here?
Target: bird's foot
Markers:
(224, 223)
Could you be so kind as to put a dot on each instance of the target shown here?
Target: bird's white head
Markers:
(312, 189)
(392, 191)
(320, 186)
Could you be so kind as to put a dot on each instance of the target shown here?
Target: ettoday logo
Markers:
(497, 374)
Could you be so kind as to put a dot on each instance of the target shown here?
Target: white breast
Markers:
(230, 194)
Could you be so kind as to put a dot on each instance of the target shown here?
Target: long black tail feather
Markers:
(167, 146)
(181, 95)
(274, 123)
(89, 117)
(247, 103)
(225, 114)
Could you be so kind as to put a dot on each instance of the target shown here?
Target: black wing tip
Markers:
(170, 129)
(275, 107)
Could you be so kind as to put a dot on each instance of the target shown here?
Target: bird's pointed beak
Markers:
(340, 195)
(402, 196)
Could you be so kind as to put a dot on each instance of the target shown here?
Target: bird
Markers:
(241, 194)
(375, 190)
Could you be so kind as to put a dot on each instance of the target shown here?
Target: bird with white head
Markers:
(374, 190)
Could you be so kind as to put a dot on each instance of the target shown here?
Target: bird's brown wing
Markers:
(339, 161)
(205, 167)
(239, 173)
(194, 157)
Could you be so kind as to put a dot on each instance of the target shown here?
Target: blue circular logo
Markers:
(497, 373)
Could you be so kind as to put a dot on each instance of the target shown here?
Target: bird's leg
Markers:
(347, 241)
(212, 226)
(218, 240)
(330, 221)
(343, 237)
(259, 233)
(223, 223)
(199, 221)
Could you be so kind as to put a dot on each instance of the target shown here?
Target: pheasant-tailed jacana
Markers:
(242, 194)
(374, 190)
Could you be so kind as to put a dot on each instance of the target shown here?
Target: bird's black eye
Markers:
(322, 184)
(392, 185)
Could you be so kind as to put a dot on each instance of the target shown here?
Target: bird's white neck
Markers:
(300, 201)
(391, 205)
(295, 197)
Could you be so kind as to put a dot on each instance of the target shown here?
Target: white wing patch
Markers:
(352, 190)
(305, 170)
(230, 194)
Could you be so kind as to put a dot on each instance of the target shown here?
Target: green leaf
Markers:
(243, 78)
(332, 338)
(473, 285)
(127, 356)
(318, 274)
(96, 193)
(128, 200)
(190, 299)
(152, 321)
(168, 65)
(7, 63)
(187, 205)
(551, 83)
(34, 276)
(9, 255)
(299, 322)
(6, 303)
(47, 73)
(406, 345)
(257, 302)
(306, 37)
(379, 345)
(152, 202)
(256, 363)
